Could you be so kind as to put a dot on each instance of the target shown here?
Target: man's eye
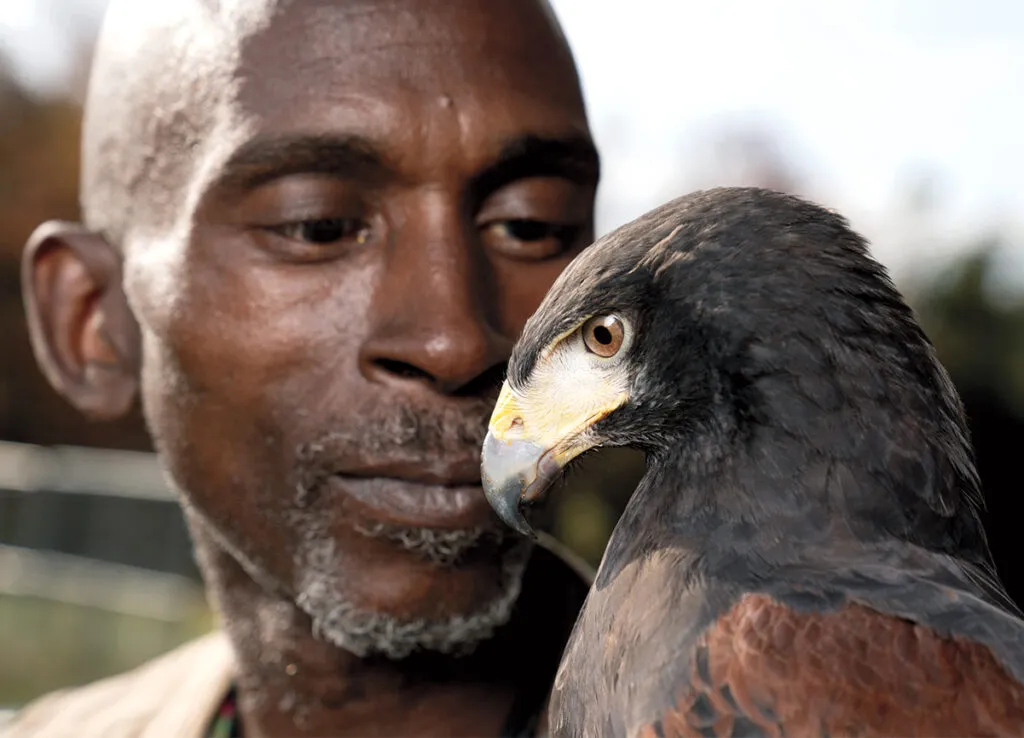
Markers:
(324, 230)
(528, 238)
(528, 230)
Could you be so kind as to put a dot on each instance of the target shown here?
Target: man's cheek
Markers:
(522, 288)
(232, 361)
(206, 412)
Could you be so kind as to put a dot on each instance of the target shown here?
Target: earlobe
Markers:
(84, 335)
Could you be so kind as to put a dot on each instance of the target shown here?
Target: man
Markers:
(312, 231)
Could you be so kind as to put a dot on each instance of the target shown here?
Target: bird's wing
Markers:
(765, 669)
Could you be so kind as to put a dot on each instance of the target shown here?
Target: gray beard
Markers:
(321, 592)
(365, 632)
(443, 547)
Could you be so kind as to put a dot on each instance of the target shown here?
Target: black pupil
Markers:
(326, 230)
(602, 335)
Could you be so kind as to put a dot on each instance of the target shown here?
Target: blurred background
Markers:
(904, 114)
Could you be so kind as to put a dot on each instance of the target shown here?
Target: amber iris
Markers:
(603, 335)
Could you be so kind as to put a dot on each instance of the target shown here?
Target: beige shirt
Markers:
(174, 696)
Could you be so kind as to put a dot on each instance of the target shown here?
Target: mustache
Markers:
(402, 432)
(405, 433)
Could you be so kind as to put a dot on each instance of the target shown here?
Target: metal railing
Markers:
(76, 580)
(111, 506)
(136, 475)
(107, 476)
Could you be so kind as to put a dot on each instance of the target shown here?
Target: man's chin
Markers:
(367, 632)
(374, 587)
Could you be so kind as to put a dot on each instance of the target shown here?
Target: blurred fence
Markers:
(96, 569)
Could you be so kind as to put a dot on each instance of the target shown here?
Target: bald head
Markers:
(176, 87)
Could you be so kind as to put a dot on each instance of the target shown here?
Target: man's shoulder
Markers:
(175, 694)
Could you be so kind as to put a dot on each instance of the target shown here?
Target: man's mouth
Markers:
(425, 471)
(431, 501)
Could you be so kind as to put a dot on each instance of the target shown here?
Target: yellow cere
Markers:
(569, 390)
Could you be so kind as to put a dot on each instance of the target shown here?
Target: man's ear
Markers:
(84, 335)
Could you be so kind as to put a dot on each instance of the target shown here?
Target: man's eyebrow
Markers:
(572, 157)
(268, 158)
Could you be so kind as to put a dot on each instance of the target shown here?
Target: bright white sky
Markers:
(865, 93)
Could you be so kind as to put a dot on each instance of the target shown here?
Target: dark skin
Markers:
(384, 201)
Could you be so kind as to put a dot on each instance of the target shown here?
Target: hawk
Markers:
(804, 554)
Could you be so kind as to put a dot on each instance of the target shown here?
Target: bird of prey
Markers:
(804, 555)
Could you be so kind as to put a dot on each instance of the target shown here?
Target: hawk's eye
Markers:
(603, 335)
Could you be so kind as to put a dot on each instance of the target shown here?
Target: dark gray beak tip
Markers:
(514, 518)
(506, 499)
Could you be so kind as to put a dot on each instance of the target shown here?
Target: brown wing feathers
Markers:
(764, 669)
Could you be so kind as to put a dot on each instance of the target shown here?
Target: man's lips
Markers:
(436, 472)
(431, 502)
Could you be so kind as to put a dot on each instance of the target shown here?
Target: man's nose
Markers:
(434, 318)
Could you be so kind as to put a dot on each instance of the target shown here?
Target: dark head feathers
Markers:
(773, 245)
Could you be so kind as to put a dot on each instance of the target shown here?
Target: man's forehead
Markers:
(256, 43)
(451, 79)
(415, 41)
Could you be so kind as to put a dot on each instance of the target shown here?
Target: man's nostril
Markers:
(402, 369)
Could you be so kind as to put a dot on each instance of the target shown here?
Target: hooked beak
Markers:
(524, 453)
(514, 471)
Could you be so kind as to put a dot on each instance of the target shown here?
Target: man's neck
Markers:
(292, 683)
